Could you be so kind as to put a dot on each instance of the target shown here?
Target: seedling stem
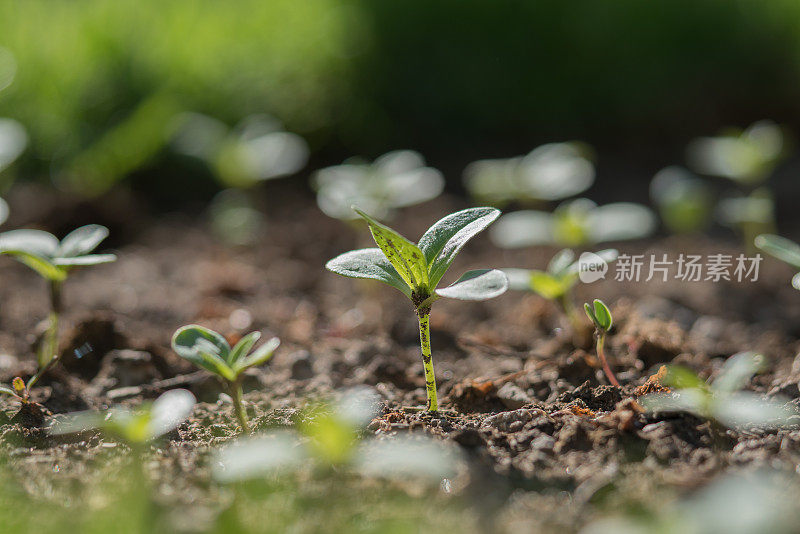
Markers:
(600, 335)
(424, 315)
(235, 391)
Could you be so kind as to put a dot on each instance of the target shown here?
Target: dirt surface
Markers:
(549, 443)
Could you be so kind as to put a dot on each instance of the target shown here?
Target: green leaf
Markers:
(368, 263)
(204, 348)
(91, 259)
(549, 286)
(8, 391)
(445, 239)
(481, 284)
(82, 240)
(242, 348)
(407, 259)
(680, 377)
(780, 247)
(259, 356)
(39, 264)
(600, 315)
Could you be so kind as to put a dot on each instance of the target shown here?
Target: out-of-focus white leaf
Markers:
(254, 457)
(745, 408)
(408, 456)
(522, 229)
(13, 140)
(3, 211)
(169, 411)
(620, 221)
(737, 371)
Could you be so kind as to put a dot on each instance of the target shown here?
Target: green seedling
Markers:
(395, 180)
(54, 260)
(750, 215)
(685, 202)
(783, 249)
(330, 436)
(416, 270)
(210, 350)
(562, 274)
(137, 428)
(747, 157)
(550, 172)
(721, 401)
(574, 223)
(600, 316)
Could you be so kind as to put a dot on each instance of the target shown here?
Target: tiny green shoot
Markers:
(395, 180)
(53, 260)
(601, 317)
(136, 428)
(574, 223)
(685, 202)
(210, 350)
(783, 249)
(722, 400)
(557, 282)
(416, 270)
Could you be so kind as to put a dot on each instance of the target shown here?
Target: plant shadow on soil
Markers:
(549, 446)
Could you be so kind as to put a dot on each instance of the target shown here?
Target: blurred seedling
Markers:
(554, 171)
(256, 150)
(574, 223)
(685, 202)
(395, 180)
(783, 249)
(601, 317)
(416, 270)
(54, 260)
(722, 401)
(331, 436)
(210, 350)
(136, 428)
(557, 282)
(748, 158)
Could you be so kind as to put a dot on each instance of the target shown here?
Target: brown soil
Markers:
(545, 436)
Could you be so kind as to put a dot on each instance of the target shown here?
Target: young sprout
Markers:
(211, 351)
(257, 149)
(721, 401)
(747, 157)
(331, 435)
(136, 428)
(783, 249)
(684, 201)
(53, 260)
(395, 180)
(750, 215)
(600, 315)
(550, 172)
(556, 283)
(574, 223)
(416, 270)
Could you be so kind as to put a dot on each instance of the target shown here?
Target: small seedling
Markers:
(395, 180)
(554, 171)
(211, 351)
(685, 202)
(136, 428)
(416, 270)
(331, 436)
(721, 401)
(574, 223)
(53, 260)
(783, 249)
(556, 283)
(600, 315)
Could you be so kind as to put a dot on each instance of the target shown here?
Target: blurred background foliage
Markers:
(98, 84)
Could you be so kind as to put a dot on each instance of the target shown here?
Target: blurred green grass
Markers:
(98, 82)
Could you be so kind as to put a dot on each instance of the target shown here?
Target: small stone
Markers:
(512, 396)
(301, 367)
